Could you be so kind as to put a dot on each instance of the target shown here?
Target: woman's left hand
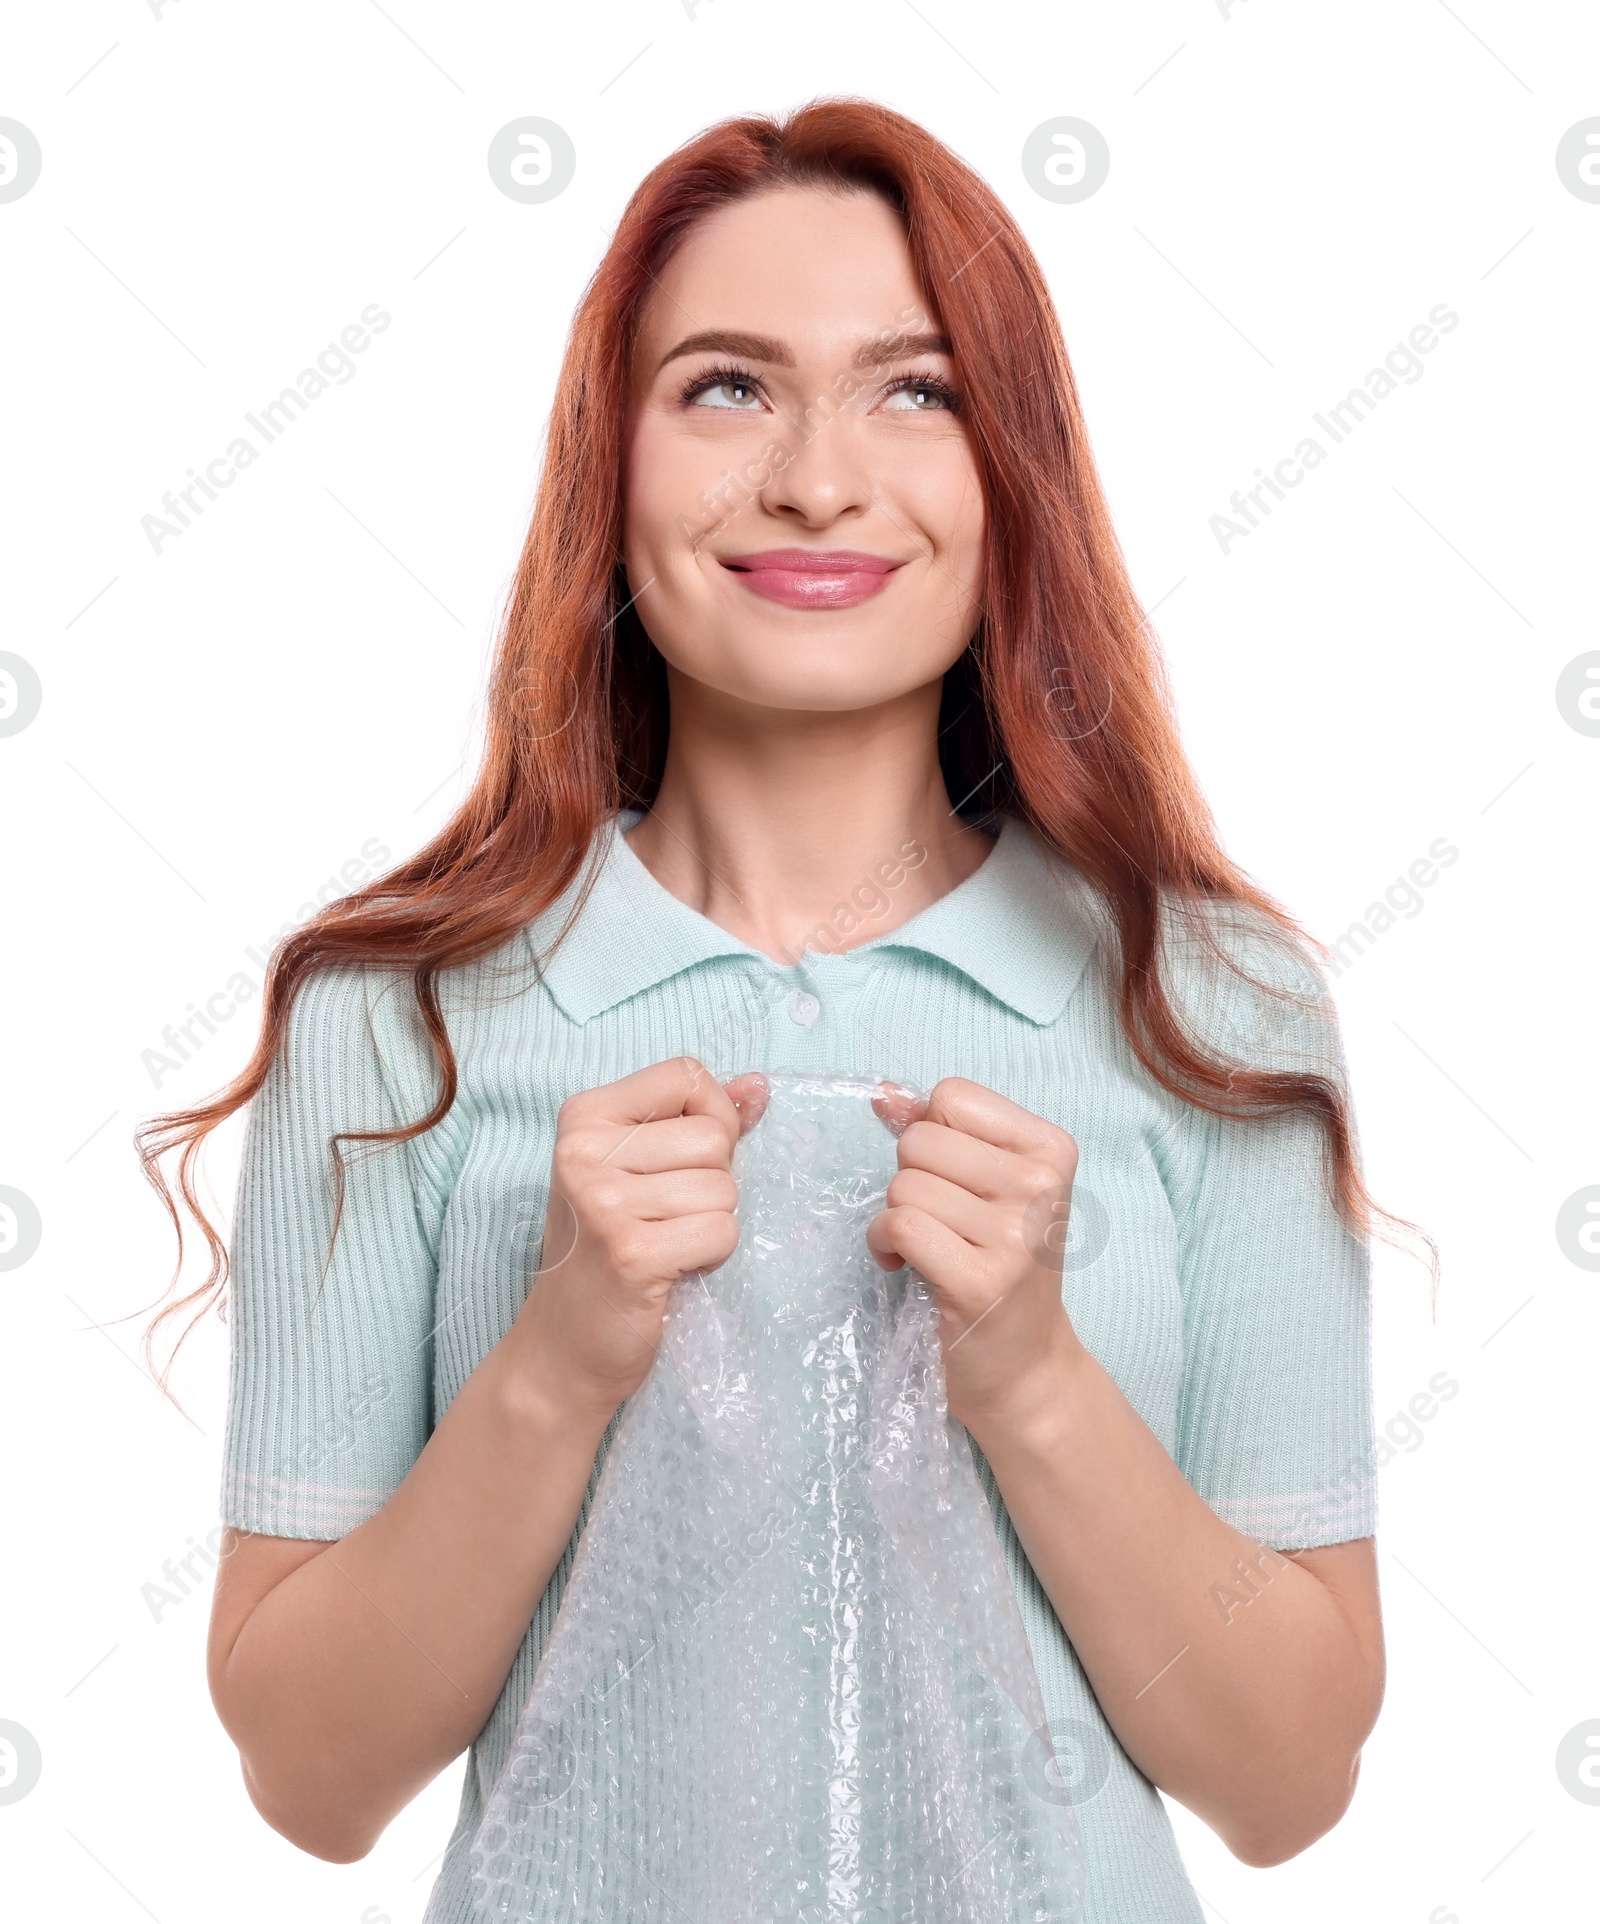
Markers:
(979, 1206)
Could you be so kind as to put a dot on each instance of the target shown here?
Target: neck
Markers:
(805, 830)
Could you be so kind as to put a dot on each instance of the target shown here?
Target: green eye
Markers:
(916, 395)
(732, 394)
(723, 388)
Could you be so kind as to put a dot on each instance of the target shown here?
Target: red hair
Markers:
(1061, 633)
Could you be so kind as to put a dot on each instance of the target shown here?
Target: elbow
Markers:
(1265, 1838)
(1263, 1849)
(332, 1848)
(1302, 1800)
(311, 1825)
(312, 1808)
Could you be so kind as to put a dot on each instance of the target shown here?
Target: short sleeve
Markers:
(1275, 1426)
(329, 1394)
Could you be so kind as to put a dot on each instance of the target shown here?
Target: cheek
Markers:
(661, 484)
(668, 482)
(943, 495)
(672, 475)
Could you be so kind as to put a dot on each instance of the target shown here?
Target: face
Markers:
(803, 519)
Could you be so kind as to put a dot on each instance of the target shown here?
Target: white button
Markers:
(805, 1008)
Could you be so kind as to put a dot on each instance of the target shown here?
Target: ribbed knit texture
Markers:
(1206, 1269)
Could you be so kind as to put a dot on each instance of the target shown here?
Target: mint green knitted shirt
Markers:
(1205, 1267)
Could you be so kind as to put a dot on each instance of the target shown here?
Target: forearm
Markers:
(350, 1675)
(361, 1674)
(1232, 1677)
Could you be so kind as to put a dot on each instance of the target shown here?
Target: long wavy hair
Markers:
(1058, 711)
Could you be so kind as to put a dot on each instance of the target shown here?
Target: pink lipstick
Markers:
(812, 577)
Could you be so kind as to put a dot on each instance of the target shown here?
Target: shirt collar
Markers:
(1022, 926)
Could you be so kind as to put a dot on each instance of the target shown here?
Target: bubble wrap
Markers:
(788, 1679)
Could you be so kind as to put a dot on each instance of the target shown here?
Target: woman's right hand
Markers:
(641, 1191)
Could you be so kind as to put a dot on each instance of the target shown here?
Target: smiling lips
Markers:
(812, 577)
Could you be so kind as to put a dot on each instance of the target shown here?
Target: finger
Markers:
(697, 1242)
(681, 1086)
(749, 1094)
(707, 1097)
(652, 1254)
(679, 1142)
(677, 1192)
(947, 1202)
(898, 1107)
(993, 1118)
(919, 1239)
(961, 1158)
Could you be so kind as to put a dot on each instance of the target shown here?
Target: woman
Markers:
(824, 731)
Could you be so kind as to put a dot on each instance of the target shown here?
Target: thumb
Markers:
(749, 1094)
(897, 1107)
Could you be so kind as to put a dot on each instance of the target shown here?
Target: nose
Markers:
(826, 473)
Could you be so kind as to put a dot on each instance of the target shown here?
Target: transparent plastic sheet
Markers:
(789, 1679)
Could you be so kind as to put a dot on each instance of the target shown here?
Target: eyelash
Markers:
(698, 384)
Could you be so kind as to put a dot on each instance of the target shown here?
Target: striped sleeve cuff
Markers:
(1306, 1519)
(275, 1506)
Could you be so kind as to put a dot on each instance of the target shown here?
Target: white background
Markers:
(225, 724)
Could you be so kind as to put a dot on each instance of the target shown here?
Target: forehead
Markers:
(809, 266)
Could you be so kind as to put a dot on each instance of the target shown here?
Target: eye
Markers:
(730, 388)
(922, 394)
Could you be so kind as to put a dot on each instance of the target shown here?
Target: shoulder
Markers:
(1246, 987)
(371, 1011)
(340, 1061)
(329, 1021)
(354, 1038)
(1240, 984)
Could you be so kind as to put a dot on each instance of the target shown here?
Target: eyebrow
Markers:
(762, 347)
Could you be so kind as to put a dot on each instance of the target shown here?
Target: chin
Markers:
(831, 675)
(816, 693)
(812, 661)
